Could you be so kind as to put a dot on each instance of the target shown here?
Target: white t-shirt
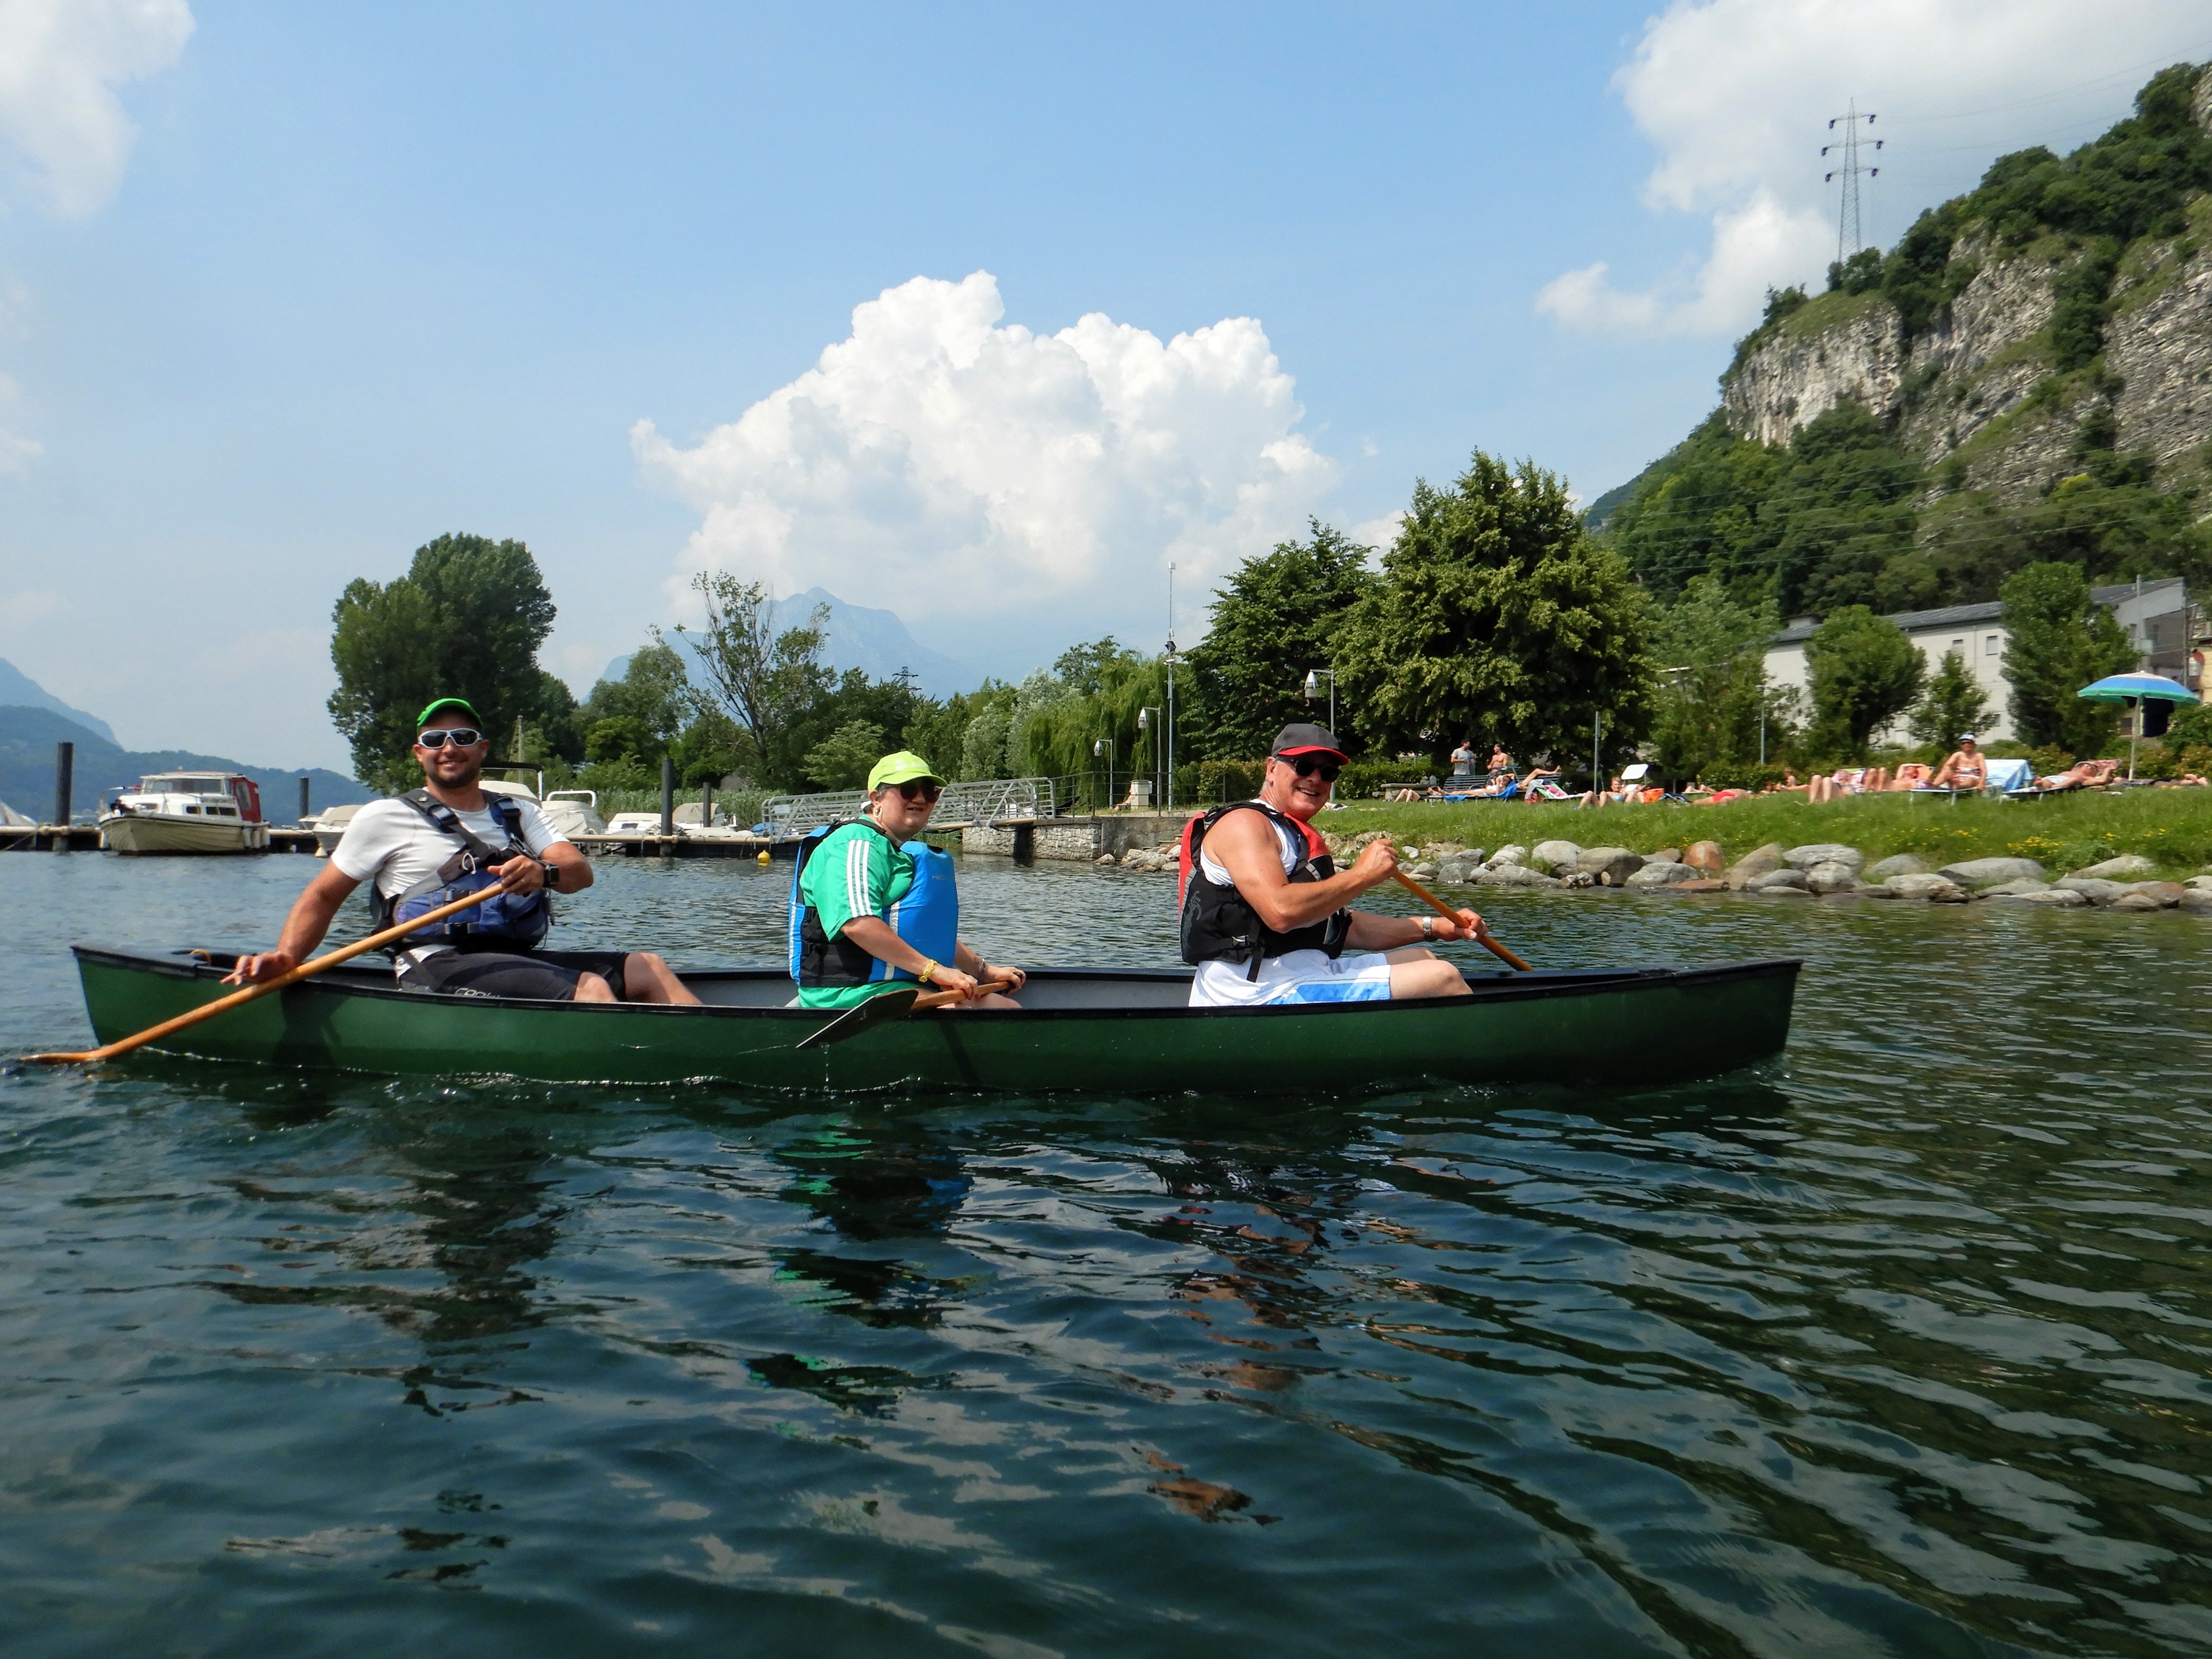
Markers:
(389, 840)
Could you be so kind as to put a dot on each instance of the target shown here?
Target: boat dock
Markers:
(85, 838)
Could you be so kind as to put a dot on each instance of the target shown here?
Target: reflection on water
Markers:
(1900, 1347)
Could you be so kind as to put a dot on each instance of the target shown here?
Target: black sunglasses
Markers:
(462, 736)
(920, 791)
(1305, 766)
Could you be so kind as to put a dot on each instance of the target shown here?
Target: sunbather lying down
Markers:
(2082, 774)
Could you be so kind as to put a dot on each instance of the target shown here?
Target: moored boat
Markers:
(1119, 1030)
(191, 812)
(330, 826)
(574, 812)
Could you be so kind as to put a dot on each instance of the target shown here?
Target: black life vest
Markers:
(508, 921)
(1219, 926)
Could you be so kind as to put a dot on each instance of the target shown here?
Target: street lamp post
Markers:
(1170, 660)
(1105, 746)
(1145, 724)
(1313, 690)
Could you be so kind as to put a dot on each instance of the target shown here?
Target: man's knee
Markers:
(1431, 976)
(590, 987)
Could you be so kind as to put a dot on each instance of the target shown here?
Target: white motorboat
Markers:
(330, 826)
(574, 812)
(191, 812)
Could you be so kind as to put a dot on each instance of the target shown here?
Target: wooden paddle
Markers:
(1483, 938)
(887, 1006)
(239, 998)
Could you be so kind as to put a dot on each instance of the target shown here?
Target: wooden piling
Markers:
(64, 791)
(667, 796)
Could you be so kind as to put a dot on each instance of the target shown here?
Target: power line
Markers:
(1848, 239)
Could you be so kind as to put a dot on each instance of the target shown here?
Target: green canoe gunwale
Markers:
(1571, 1023)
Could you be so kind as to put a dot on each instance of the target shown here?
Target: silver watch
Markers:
(1429, 928)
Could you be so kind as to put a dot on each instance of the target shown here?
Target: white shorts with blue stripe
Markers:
(1300, 977)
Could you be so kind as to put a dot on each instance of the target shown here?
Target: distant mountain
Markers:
(20, 689)
(28, 737)
(874, 642)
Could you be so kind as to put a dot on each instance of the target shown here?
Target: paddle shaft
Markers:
(1482, 938)
(291, 976)
(879, 1010)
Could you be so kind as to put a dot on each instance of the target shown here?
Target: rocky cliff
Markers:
(1985, 389)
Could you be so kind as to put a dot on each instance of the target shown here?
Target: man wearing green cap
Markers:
(873, 905)
(443, 841)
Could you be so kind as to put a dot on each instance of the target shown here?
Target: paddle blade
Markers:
(886, 1005)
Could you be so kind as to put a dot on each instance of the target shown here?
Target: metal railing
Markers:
(985, 800)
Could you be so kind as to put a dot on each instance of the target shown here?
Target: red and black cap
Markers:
(1302, 740)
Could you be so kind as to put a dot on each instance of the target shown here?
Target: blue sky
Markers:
(366, 274)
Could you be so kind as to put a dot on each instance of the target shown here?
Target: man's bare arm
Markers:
(1246, 845)
(303, 929)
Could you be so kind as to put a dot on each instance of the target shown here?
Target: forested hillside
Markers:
(2026, 377)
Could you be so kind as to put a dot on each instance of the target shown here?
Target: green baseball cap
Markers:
(904, 767)
(461, 703)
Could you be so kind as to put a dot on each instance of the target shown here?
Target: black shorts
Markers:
(545, 976)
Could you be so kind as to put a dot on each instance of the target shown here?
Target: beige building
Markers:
(2156, 615)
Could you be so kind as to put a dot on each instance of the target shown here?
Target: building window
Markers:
(1989, 647)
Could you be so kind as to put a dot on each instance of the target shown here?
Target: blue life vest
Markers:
(511, 921)
(927, 917)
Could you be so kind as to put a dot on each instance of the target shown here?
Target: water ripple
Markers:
(1898, 1347)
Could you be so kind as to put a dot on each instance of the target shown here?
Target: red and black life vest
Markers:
(1218, 925)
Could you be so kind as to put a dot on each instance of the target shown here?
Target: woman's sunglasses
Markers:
(920, 791)
(1305, 766)
(460, 736)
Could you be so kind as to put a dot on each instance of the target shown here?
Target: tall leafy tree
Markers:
(465, 620)
(766, 680)
(2059, 641)
(1274, 621)
(1710, 651)
(1864, 673)
(1953, 703)
(1497, 617)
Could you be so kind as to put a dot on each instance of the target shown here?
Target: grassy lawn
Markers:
(2172, 827)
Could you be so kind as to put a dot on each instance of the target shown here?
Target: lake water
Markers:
(1899, 1346)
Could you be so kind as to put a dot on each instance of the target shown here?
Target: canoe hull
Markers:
(1651, 1025)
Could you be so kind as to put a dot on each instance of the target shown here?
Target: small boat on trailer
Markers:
(1103, 1030)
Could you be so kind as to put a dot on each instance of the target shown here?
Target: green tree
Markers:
(1274, 621)
(843, 759)
(1710, 654)
(644, 712)
(1497, 614)
(466, 621)
(766, 680)
(2059, 641)
(1953, 703)
(1865, 672)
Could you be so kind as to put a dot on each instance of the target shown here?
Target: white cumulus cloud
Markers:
(1736, 96)
(947, 465)
(60, 62)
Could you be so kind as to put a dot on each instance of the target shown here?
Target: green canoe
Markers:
(1126, 1031)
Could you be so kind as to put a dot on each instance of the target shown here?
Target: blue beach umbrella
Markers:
(2132, 688)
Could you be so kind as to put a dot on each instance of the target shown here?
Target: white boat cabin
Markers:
(222, 795)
